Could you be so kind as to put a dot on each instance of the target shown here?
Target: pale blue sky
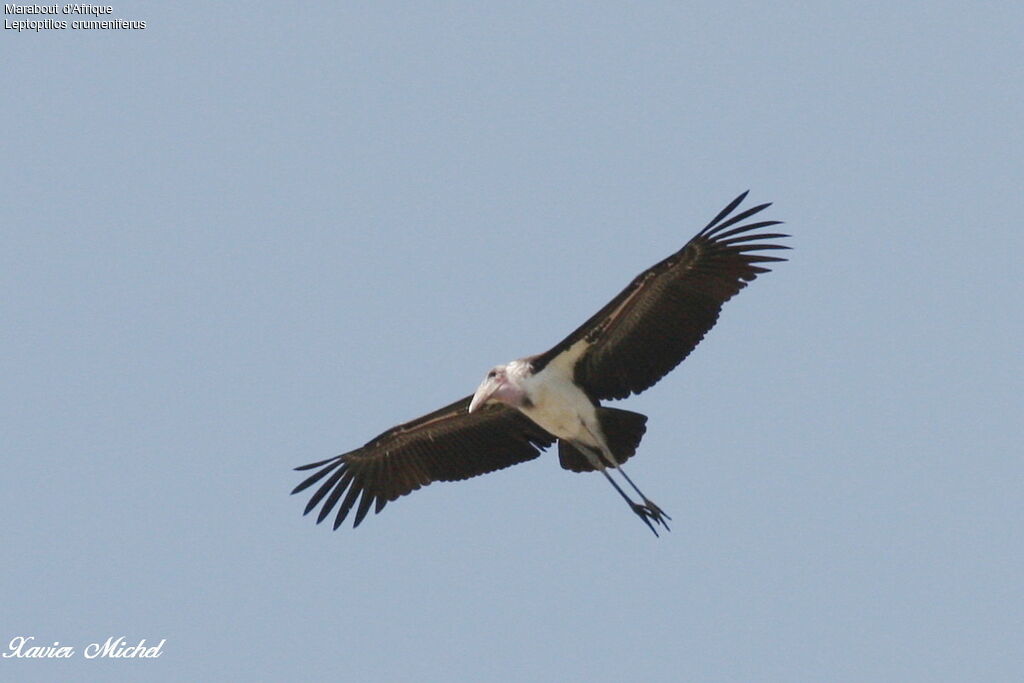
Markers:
(251, 237)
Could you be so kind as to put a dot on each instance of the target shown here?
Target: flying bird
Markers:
(525, 406)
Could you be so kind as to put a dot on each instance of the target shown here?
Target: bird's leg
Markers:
(646, 512)
(655, 512)
(643, 511)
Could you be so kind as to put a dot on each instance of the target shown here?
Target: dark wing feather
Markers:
(447, 445)
(655, 322)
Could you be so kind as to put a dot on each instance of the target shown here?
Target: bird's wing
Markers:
(654, 323)
(447, 445)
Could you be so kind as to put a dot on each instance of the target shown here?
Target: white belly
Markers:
(561, 408)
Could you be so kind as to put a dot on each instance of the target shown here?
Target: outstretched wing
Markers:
(447, 445)
(655, 322)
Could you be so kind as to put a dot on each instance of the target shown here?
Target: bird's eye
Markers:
(491, 374)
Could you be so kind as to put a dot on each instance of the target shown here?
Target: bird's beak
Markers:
(483, 393)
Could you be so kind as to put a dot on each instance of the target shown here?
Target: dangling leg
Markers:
(656, 513)
(646, 512)
(602, 461)
(642, 512)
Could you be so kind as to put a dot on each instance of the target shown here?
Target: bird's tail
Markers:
(623, 430)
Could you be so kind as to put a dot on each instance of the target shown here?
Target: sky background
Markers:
(255, 235)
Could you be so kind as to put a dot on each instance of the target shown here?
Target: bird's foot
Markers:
(648, 512)
(657, 513)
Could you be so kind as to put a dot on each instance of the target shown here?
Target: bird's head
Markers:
(503, 384)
